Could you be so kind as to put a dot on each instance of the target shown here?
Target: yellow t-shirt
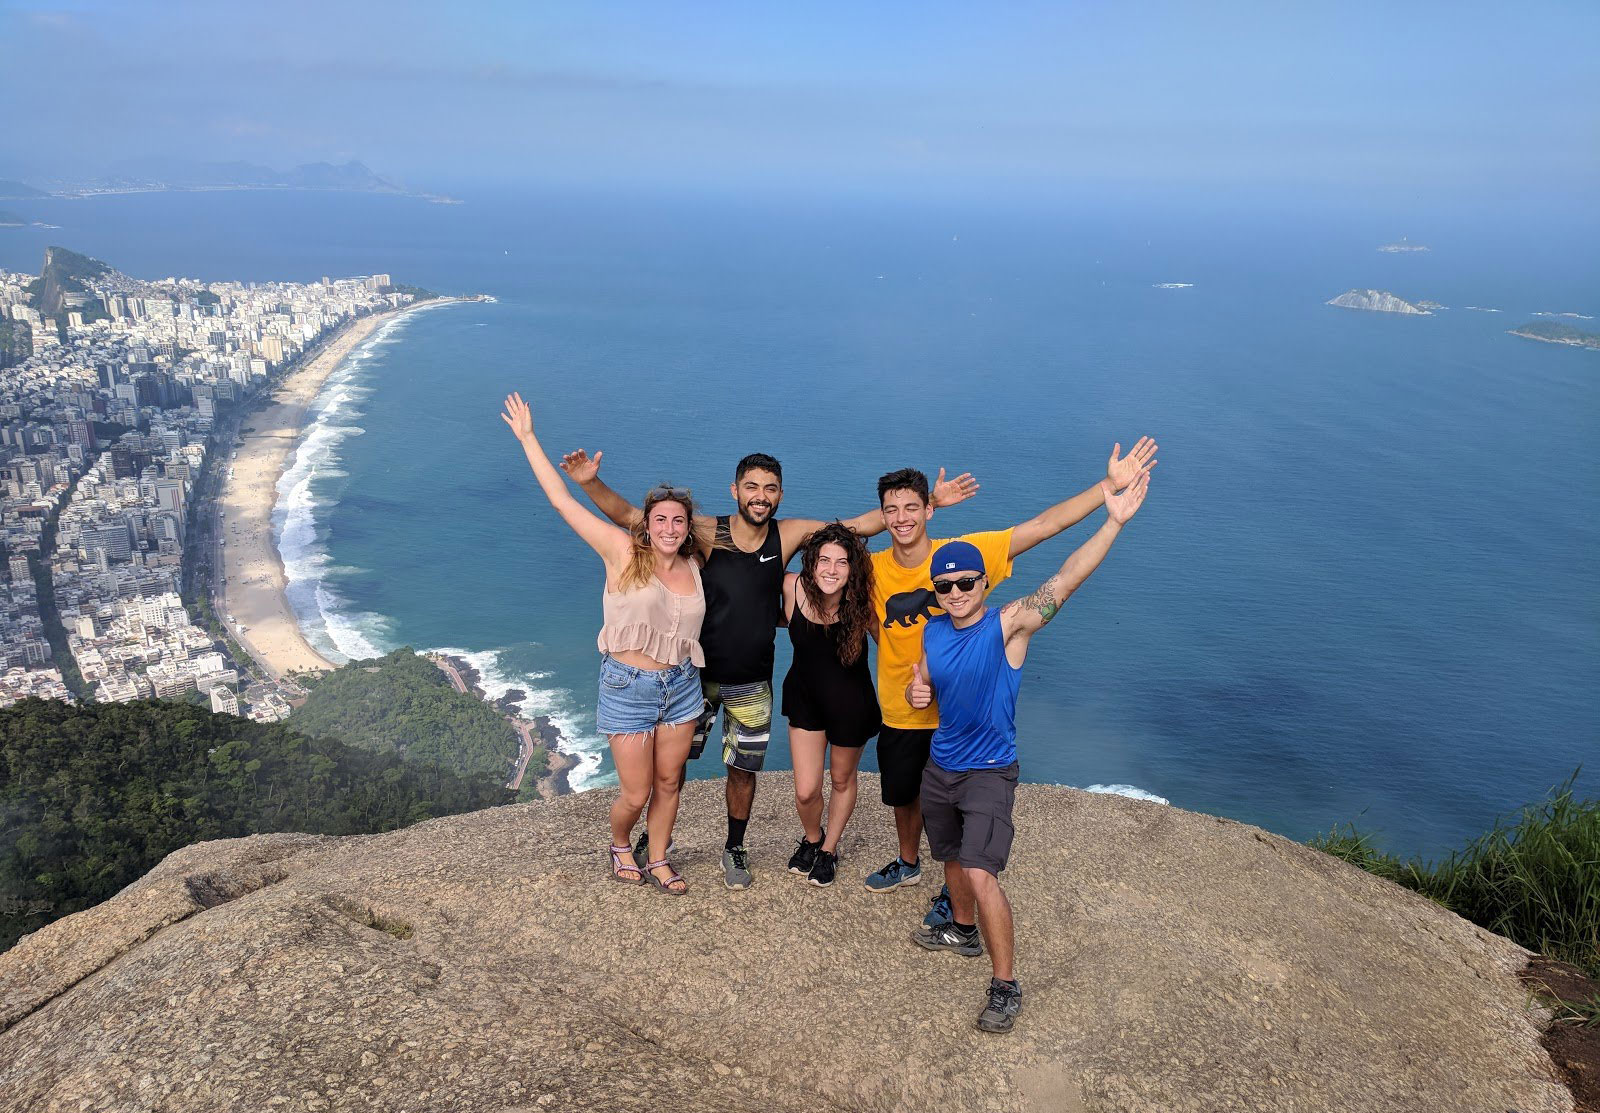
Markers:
(903, 599)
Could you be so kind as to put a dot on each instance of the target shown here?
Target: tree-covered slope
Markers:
(402, 703)
(91, 797)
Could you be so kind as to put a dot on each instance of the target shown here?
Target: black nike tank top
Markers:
(744, 600)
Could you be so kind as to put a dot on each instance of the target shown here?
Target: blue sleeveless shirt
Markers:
(977, 692)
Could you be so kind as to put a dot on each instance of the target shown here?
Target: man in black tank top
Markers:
(745, 559)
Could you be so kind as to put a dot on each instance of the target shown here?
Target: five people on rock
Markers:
(691, 608)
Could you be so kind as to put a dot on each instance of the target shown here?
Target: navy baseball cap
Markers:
(956, 556)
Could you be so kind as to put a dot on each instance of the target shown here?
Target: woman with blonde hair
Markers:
(650, 642)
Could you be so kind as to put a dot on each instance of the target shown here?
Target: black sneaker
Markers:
(641, 847)
(948, 937)
(1005, 1002)
(804, 854)
(822, 868)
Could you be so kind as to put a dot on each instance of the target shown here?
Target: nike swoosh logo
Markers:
(764, 560)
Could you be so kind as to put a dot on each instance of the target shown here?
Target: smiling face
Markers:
(758, 493)
(668, 526)
(960, 604)
(833, 569)
(906, 515)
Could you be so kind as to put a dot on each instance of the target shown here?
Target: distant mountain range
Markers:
(155, 175)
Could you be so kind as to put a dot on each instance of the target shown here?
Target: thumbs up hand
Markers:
(919, 693)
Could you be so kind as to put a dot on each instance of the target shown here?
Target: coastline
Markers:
(554, 782)
(252, 599)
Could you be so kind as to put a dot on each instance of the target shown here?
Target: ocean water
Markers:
(1364, 585)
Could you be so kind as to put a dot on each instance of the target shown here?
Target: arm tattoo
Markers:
(1044, 600)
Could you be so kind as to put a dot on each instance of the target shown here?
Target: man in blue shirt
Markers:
(972, 660)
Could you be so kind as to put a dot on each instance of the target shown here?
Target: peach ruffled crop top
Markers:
(655, 621)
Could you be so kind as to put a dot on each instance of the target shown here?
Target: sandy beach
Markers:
(258, 613)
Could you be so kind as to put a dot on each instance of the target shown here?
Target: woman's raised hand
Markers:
(518, 416)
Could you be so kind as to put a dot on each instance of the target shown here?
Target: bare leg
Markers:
(671, 747)
(808, 749)
(908, 825)
(994, 919)
(843, 762)
(634, 758)
(741, 792)
(962, 902)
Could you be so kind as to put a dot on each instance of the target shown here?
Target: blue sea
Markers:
(1364, 586)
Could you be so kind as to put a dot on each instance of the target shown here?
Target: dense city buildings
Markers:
(115, 395)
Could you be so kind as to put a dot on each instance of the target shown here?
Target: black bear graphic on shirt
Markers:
(910, 607)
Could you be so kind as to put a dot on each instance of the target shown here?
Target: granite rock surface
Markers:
(1170, 962)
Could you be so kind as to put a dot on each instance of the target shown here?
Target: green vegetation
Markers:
(64, 264)
(404, 704)
(416, 291)
(92, 797)
(1535, 880)
(50, 616)
(1556, 333)
(66, 272)
(16, 341)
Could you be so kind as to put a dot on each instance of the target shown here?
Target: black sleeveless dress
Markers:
(821, 694)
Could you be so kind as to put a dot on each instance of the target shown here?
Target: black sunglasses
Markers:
(965, 583)
(667, 491)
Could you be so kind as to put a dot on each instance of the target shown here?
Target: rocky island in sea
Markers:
(1380, 301)
(1553, 332)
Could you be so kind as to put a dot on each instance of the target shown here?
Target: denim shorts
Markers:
(634, 700)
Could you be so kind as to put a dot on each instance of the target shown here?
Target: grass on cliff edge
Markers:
(1534, 879)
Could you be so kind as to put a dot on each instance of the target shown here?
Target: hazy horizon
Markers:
(1395, 105)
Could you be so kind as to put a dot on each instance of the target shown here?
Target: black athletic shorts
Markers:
(968, 815)
(902, 753)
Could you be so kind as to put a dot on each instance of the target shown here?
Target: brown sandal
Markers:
(665, 886)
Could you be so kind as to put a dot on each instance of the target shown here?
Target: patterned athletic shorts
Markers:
(746, 722)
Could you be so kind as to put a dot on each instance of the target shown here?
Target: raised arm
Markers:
(584, 470)
(1120, 472)
(946, 492)
(1021, 619)
(604, 538)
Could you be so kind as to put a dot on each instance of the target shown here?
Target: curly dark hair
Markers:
(855, 604)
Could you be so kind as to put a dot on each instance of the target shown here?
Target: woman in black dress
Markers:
(828, 696)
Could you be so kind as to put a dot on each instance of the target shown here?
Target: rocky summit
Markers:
(1170, 961)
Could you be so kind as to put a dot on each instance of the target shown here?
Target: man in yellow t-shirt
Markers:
(903, 600)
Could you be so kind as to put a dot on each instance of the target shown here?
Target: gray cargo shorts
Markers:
(968, 815)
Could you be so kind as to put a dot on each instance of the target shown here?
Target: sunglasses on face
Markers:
(965, 583)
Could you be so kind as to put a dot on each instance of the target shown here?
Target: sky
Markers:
(884, 95)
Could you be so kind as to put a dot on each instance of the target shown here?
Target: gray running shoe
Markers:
(948, 937)
(736, 868)
(1001, 1011)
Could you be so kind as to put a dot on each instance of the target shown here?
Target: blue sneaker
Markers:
(897, 873)
(939, 912)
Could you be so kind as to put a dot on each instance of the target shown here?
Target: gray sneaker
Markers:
(1001, 1011)
(736, 868)
(948, 937)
